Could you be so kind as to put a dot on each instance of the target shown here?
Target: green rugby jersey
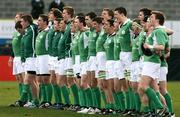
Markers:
(125, 35)
(100, 41)
(16, 44)
(50, 40)
(135, 49)
(55, 40)
(83, 46)
(117, 47)
(67, 36)
(156, 37)
(109, 47)
(93, 35)
(41, 46)
(61, 47)
(28, 41)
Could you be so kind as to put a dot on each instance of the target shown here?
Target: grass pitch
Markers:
(9, 93)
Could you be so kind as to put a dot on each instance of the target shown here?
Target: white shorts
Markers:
(30, 64)
(18, 67)
(52, 62)
(76, 66)
(126, 60)
(84, 67)
(61, 67)
(92, 66)
(110, 74)
(163, 74)
(151, 69)
(135, 71)
(118, 71)
(42, 66)
(101, 61)
(68, 63)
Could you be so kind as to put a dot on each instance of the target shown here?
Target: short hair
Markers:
(138, 22)
(110, 12)
(80, 14)
(98, 20)
(146, 12)
(81, 20)
(160, 16)
(69, 10)
(57, 13)
(121, 10)
(58, 20)
(18, 25)
(20, 14)
(111, 22)
(92, 15)
(27, 18)
(44, 18)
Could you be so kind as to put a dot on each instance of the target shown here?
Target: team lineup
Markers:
(110, 64)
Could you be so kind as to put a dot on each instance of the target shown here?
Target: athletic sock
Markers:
(57, 93)
(88, 94)
(49, 89)
(75, 91)
(26, 90)
(152, 96)
(169, 102)
(65, 93)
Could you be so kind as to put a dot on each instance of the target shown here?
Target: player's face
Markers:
(40, 23)
(24, 23)
(134, 27)
(118, 16)
(77, 24)
(72, 27)
(17, 18)
(107, 26)
(116, 25)
(153, 19)
(88, 21)
(51, 16)
(62, 25)
(65, 15)
(105, 15)
(56, 26)
(141, 16)
(96, 26)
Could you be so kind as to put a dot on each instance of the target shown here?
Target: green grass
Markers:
(9, 93)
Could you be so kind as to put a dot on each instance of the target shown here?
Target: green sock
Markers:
(137, 102)
(146, 109)
(49, 89)
(117, 104)
(132, 98)
(43, 93)
(74, 90)
(104, 97)
(65, 93)
(127, 100)
(122, 100)
(111, 106)
(169, 102)
(82, 97)
(26, 90)
(88, 94)
(98, 97)
(20, 88)
(152, 105)
(152, 96)
(57, 93)
(36, 101)
(30, 95)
